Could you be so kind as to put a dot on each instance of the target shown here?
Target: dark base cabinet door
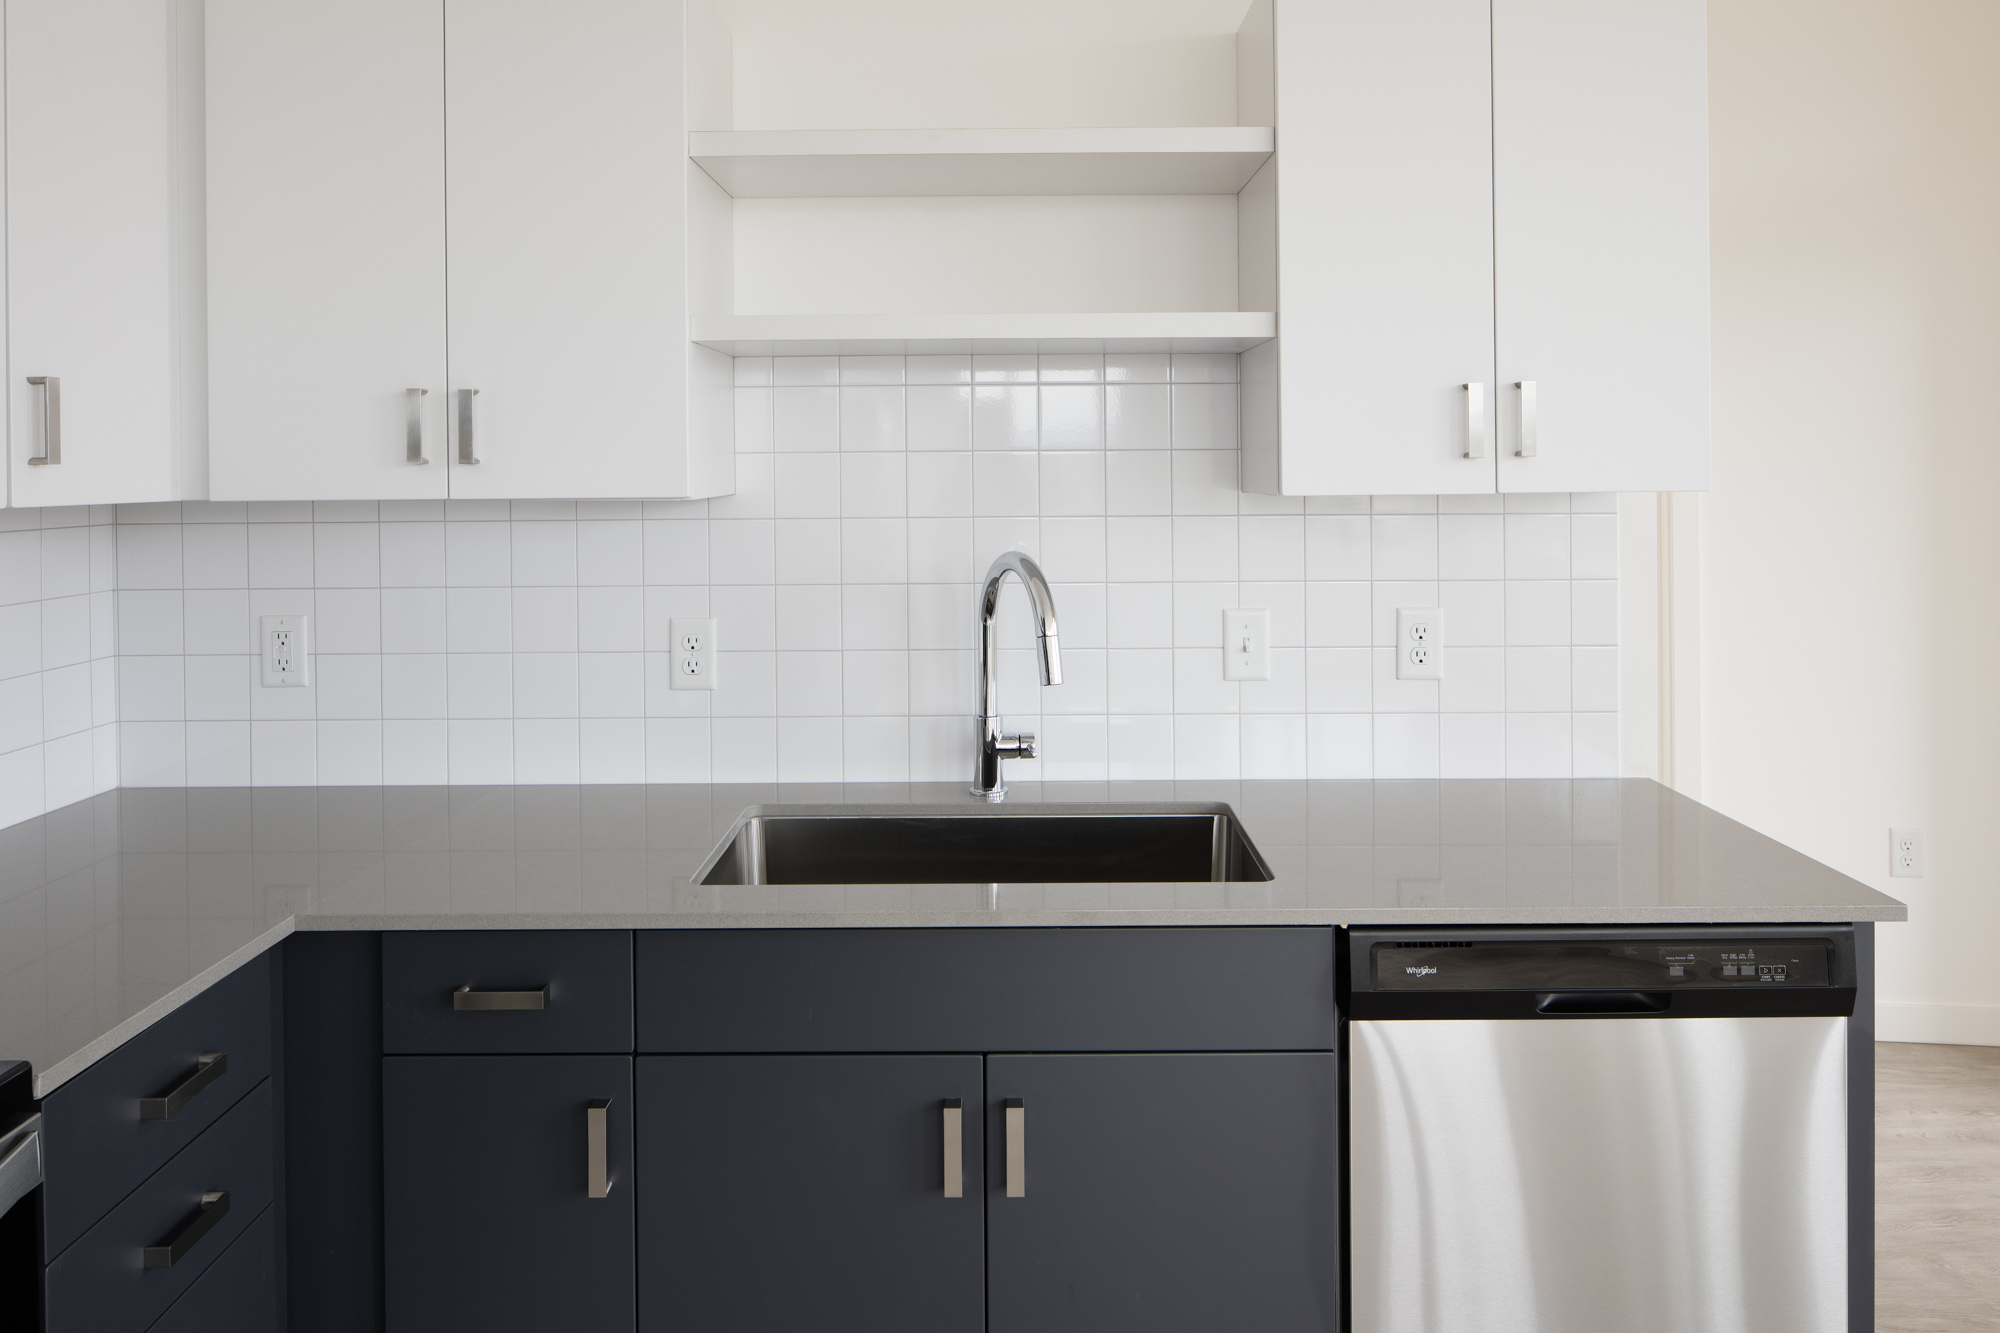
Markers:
(795, 1192)
(1162, 1193)
(489, 1219)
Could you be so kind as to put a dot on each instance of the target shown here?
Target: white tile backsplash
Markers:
(527, 642)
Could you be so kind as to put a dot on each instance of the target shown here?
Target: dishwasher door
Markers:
(1652, 1175)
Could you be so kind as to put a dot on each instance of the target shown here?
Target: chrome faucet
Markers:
(990, 746)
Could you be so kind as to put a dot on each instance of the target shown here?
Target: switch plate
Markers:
(1419, 643)
(281, 641)
(1246, 645)
(1906, 853)
(693, 653)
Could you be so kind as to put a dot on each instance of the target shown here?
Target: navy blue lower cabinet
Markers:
(789, 1192)
(238, 1293)
(1162, 1193)
(508, 1193)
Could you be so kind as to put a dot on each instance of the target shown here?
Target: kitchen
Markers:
(477, 562)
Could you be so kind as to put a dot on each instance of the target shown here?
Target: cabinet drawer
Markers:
(101, 1284)
(239, 1292)
(579, 982)
(1112, 989)
(97, 1146)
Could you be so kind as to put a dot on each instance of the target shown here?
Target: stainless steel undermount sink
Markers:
(1198, 842)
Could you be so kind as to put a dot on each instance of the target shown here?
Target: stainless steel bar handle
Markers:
(20, 1158)
(214, 1207)
(1017, 1148)
(208, 1067)
(467, 998)
(1475, 421)
(954, 1148)
(1525, 447)
(467, 455)
(413, 444)
(597, 1147)
(51, 387)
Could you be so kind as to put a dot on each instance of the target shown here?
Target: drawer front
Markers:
(98, 1145)
(1113, 989)
(239, 1292)
(586, 974)
(101, 1284)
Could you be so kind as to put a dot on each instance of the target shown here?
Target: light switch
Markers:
(1246, 645)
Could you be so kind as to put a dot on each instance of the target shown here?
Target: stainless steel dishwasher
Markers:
(1573, 1131)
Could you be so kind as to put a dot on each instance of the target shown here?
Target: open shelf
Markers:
(892, 335)
(790, 164)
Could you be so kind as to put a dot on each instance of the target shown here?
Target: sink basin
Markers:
(949, 844)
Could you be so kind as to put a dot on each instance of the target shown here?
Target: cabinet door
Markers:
(90, 229)
(325, 249)
(1164, 1193)
(1385, 264)
(488, 1219)
(1600, 141)
(792, 1192)
(568, 181)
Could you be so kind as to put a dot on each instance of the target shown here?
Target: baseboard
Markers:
(1939, 1024)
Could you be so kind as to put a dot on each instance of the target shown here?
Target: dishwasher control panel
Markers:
(1599, 964)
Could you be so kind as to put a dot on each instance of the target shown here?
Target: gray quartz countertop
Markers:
(117, 909)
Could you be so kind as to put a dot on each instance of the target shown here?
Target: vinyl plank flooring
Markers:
(1937, 1180)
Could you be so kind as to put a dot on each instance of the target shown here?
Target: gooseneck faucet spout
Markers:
(990, 747)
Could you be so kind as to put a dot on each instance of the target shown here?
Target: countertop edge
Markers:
(49, 1079)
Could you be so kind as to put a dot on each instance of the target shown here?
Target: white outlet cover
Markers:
(691, 645)
(284, 651)
(1419, 643)
(1246, 645)
(1906, 853)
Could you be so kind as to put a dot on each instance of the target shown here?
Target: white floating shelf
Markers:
(899, 335)
(790, 164)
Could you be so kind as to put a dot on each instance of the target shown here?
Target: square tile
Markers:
(1072, 416)
(871, 419)
(1005, 418)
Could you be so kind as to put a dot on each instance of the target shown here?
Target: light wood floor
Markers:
(1937, 1180)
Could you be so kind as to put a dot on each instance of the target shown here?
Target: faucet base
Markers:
(993, 797)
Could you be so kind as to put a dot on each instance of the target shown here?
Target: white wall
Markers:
(1850, 544)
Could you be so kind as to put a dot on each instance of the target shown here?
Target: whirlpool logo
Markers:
(1421, 971)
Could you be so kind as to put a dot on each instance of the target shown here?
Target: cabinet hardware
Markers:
(1475, 421)
(954, 1148)
(20, 1158)
(1525, 447)
(597, 1147)
(208, 1067)
(414, 442)
(1017, 1148)
(214, 1207)
(51, 454)
(467, 998)
(466, 455)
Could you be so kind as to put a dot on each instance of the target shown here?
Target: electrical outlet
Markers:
(1906, 853)
(1246, 645)
(1419, 643)
(693, 653)
(281, 640)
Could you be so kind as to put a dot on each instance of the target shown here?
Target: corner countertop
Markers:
(116, 910)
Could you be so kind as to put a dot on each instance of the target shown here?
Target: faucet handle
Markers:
(1021, 746)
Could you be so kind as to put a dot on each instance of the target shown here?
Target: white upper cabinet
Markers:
(1600, 143)
(448, 253)
(91, 295)
(326, 262)
(1492, 250)
(567, 182)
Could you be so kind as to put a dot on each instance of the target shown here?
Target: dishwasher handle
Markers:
(1603, 1002)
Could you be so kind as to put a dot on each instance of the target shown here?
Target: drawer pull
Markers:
(214, 1207)
(467, 998)
(597, 1147)
(954, 1148)
(20, 1158)
(208, 1067)
(1017, 1148)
